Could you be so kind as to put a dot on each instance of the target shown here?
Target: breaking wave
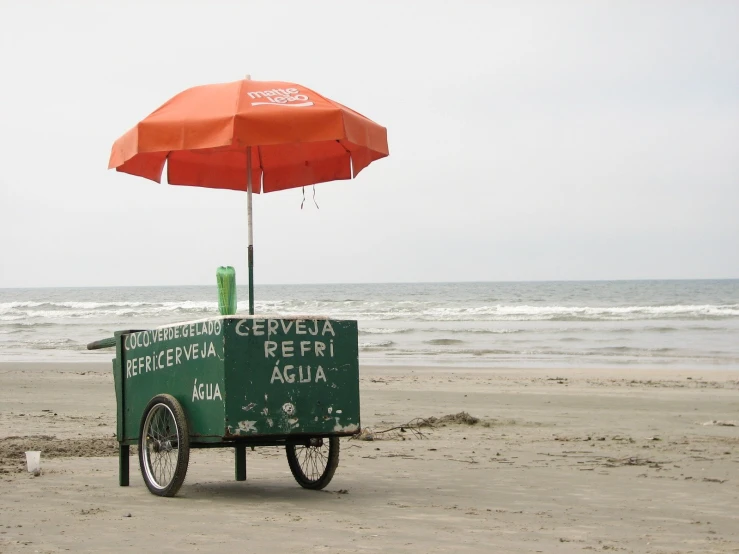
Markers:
(371, 311)
(378, 344)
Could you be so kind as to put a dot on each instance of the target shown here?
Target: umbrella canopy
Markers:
(294, 136)
(256, 136)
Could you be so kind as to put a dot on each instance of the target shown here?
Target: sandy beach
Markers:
(558, 461)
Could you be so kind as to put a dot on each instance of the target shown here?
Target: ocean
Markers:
(689, 324)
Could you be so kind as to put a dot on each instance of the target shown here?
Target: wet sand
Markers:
(559, 461)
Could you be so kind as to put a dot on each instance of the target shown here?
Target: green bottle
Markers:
(226, 277)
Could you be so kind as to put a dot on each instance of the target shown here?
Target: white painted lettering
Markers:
(276, 375)
(305, 346)
(314, 331)
(320, 374)
(269, 348)
(287, 349)
(257, 328)
(272, 326)
(327, 328)
(289, 377)
(307, 375)
(300, 327)
(242, 329)
(320, 347)
(206, 391)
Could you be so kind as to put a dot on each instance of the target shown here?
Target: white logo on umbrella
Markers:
(280, 97)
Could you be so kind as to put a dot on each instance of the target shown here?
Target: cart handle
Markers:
(104, 343)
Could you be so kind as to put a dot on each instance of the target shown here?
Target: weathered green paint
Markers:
(302, 377)
(171, 360)
(243, 378)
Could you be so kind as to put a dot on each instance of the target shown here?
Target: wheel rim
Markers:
(161, 446)
(312, 458)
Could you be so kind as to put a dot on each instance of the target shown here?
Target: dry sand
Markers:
(560, 461)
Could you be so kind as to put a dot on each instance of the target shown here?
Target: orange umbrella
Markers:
(256, 136)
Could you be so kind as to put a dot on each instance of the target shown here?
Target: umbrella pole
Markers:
(250, 229)
(250, 225)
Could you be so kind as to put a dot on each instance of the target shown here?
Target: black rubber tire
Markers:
(299, 455)
(170, 411)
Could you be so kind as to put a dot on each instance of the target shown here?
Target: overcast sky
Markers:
(528, 141)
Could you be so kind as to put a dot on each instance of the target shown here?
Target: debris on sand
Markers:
(462, 418)
(367, 434)
(633, 461)
(414, 426)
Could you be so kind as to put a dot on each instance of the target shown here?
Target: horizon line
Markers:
(474, 281)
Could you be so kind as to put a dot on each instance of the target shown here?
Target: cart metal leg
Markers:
(123, 465)
(240, 453)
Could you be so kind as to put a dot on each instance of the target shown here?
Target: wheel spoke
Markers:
(312, 460)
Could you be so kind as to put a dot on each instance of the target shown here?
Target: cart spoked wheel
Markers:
(164, 445)
(314, 462)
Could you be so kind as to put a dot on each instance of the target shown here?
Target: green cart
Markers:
(238, 382)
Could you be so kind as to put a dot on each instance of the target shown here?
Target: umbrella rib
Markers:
(166, 161)
(351, 162)
(261, 169)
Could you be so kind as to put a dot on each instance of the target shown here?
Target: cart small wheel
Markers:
(164, 445)
(313, 463)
